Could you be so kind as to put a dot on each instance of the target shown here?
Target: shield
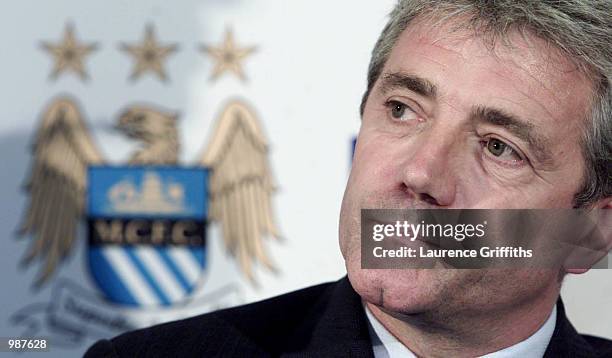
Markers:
(146, 232)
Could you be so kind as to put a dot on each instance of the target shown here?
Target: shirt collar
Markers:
(385, 345)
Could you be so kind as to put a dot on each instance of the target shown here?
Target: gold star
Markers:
(69, 54)
(228, 56)
(149, 55)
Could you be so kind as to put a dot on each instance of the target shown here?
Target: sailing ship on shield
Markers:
(147, 220)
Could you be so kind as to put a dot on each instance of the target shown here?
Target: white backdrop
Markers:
(305, 81)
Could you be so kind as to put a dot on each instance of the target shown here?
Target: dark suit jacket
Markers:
(327, 320)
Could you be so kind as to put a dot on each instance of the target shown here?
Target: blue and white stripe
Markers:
(146, 275)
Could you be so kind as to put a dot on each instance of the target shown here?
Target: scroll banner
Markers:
(73, 314)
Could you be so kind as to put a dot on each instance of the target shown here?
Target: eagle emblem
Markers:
(237, 180)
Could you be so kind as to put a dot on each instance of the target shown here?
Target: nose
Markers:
(428, 169)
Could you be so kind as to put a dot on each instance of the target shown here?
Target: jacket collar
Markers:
(565, 341)
(340, 331)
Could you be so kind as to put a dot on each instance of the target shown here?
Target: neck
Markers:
(468, 334)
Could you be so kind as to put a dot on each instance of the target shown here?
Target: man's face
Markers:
(451, 123)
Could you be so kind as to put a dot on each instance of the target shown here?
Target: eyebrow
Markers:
(408, 81)
(519, 127)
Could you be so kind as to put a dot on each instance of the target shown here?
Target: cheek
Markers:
(374, 165)
(370, 182)
(508, 286)
(538, 194)
(552, 198)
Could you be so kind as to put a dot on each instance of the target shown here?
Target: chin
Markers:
(407, 292)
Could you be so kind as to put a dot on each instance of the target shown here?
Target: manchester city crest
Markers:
(131, 216)
(146, 221)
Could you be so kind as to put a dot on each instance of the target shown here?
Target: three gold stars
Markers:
(149, 55)
(69, 54)
(228, 56)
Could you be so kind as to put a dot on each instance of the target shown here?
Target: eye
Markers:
(400, 112)
(502, 151)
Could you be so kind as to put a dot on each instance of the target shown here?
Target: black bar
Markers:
(157, 232)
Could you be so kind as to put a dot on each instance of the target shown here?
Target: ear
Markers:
(604, 225)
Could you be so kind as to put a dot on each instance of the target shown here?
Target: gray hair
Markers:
(581, 29)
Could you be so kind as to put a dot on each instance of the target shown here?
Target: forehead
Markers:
(521, 72)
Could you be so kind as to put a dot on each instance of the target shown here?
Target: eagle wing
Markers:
(62, 151)
(240, 186)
